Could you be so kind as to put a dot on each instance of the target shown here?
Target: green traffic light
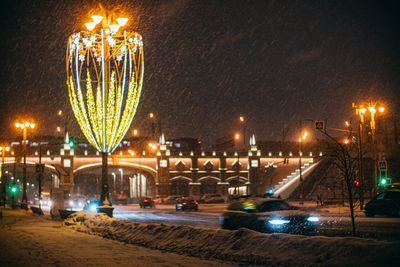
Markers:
(71, 143)
(383, 181)
(14, 189)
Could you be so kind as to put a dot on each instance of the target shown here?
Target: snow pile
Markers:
(243, 245)
(78, 218)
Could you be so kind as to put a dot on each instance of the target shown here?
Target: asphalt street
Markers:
(332, 223)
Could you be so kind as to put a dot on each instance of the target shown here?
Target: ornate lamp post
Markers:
(111, 61)
(361, 111)
(24, 126)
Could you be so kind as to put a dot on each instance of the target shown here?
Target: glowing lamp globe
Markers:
(104, 76)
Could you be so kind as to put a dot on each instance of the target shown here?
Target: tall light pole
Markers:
(361, 110)
(153, 128)
(4, 148)
(114, 60)
(300, 173)
(114, 178)
(241, 119)
(122, 180)
(24, 126)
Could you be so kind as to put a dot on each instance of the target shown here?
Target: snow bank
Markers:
(242, 245)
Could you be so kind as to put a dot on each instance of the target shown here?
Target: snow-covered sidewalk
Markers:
(30, 240)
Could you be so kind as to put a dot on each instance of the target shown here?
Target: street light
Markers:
(105, 64)
(24, 126)
(361, 110)
(305, 134)
(241, 119)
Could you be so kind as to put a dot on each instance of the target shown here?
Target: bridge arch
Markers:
(180, 185)
(130, 184)
(209, 184)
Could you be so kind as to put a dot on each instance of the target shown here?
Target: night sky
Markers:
(208, 62)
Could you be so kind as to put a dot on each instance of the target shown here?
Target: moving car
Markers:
(147, 202)
(91, 205)
(186, 204)
(386, 203)
(268, 215)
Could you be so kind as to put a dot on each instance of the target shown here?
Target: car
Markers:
(147, 202)
(268, 215)
(91, 205)
(186, 204)
(211, 198)
(171, 199)
(386, 203)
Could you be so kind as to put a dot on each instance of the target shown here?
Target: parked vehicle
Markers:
(171, 199)
(147, 202)
(268, 215)
(386, 203)
(211, 198)
(186, 204)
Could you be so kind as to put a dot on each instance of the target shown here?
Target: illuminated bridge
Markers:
(165, 174)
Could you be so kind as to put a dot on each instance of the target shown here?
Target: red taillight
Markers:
(184, 203)
(145, 200)
(195, 202)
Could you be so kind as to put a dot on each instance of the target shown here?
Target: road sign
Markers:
(319, 125)
(39, 168)
(382, 165)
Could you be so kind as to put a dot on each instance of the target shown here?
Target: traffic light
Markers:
(384, 181)
(356, 183)
(71, 143)
(14, 189)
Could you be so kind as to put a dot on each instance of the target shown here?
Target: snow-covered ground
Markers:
(30, 240)
(243, 245)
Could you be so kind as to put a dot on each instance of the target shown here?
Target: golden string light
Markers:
(105, 75)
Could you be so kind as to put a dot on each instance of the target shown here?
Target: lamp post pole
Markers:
(24, 202)
(122, 180)
(3, 151)
(24, 126)
(360, 158)
(300, 174)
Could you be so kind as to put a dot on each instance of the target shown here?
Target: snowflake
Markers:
(81, 57)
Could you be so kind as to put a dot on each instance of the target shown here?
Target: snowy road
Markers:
(332, 224)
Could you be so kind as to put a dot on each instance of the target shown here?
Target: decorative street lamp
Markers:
(24, 126)
(361, 111)
(104, 75)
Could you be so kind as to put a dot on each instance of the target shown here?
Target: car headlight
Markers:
(278, 221)
(93, 207)
(313, 219)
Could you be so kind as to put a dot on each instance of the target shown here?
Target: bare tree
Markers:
(344, 157)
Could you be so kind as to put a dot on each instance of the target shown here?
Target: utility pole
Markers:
(40, 175)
